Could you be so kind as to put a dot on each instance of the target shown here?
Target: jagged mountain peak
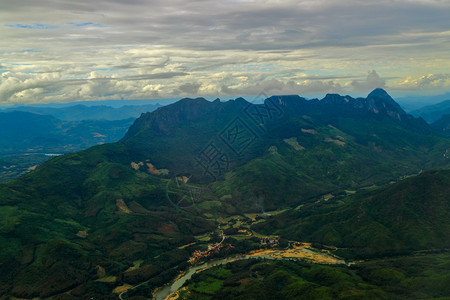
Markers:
(379, 92)
(166, 119)
(287, 100)
(336, 99)
(197, 100)
(383, 97)
(380, 102)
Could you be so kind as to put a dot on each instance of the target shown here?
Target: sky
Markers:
(61, 51)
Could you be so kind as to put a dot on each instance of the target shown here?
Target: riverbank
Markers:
(297, 253)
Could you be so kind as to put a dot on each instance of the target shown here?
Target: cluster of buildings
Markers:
(214, 248)
(269, 242)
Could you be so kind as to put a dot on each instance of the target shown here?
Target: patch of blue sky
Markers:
(268, 68)
(86, 24)
(4, 71)
(32, 26)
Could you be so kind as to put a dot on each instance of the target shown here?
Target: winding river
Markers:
(163, 292)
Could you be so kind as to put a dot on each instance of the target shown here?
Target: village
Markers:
(237, 228)
(199, 256)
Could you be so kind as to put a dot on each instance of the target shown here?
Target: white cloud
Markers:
(276, 87)
(84, 50)
(427, 81)
(373, 81)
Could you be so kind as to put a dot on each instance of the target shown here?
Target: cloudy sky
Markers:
(61, 50)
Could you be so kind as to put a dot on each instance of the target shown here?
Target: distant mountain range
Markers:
(411, 103)
(442, 126)
(432, 113)
(109, 103)
(81, 112)
(29, 132)
(92, 222)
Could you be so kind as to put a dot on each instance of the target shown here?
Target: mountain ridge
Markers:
(432, 113)
(378, 102)
(410, 215)
(196, 123)
(442, 126)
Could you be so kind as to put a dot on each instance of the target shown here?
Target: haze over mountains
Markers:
(432, 113)
(415, 102)
(30, 132)
(82, 112)
(133, 211)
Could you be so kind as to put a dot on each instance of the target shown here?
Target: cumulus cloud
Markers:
(428, 81)
(189, 88)
(373, 81)
(276, 87)
(22, 88)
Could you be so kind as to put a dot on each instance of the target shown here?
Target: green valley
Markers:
(354, 178)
